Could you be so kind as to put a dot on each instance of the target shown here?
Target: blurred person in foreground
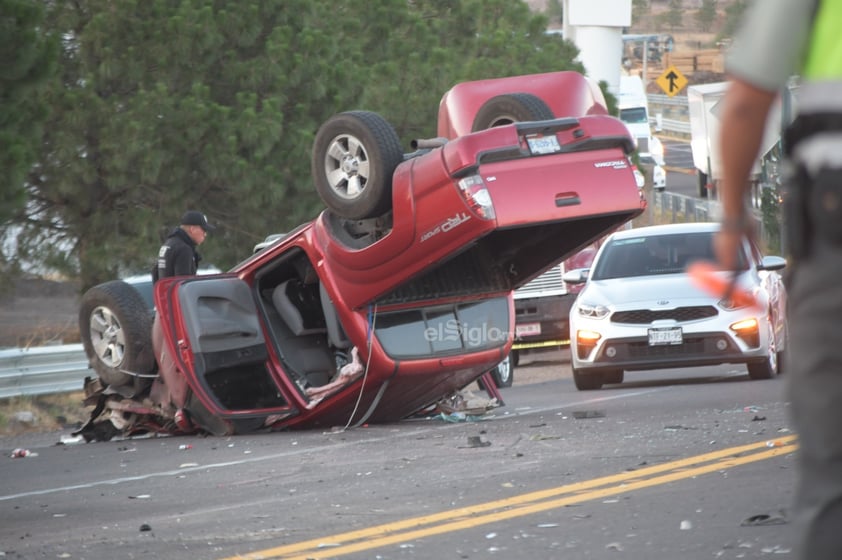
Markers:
(781, 38)
(178, 256)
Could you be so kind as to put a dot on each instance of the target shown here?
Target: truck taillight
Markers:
(476, 195)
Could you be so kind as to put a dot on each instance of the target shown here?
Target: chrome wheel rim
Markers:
(107, 337)
(347, 166)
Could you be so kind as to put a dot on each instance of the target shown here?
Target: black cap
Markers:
(195, 218)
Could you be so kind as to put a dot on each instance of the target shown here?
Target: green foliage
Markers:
(706, 15)
(160, 106)
(27, 58)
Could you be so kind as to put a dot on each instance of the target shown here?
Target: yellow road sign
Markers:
(671, 81)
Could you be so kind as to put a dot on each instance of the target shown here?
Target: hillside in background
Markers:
(697, 54)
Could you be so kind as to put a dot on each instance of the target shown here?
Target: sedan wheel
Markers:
(587, 381)
(768, 368)
(613, 376)
(782, 350)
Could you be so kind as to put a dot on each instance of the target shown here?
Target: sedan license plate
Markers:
(528, 329)
(543, 144)
(665, 336)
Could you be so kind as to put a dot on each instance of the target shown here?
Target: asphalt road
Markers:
(681, 175)
(690, 464)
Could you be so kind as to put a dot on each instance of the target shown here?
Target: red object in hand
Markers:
(706, 276)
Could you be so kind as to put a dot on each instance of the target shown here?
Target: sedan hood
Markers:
(668, 290)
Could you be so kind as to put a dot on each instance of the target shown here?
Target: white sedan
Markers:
(639, 310)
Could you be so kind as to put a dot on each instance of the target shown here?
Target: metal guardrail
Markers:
(675, 126)
(656, 99)
(43, 370)
(674, 207)
(670, 114)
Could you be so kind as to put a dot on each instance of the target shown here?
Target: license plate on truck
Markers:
(543, 144)
(527, 329)
(665, 336)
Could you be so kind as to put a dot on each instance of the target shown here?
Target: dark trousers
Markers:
(814, 377)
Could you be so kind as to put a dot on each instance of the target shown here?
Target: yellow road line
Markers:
(524, 504)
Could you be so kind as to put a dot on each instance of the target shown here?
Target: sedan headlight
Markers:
(731, 304)
(592, 311)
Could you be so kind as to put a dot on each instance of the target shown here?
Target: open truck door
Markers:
(219, 369)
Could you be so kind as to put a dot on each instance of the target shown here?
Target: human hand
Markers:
(728, 240)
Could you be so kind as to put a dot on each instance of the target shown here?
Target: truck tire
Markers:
(702, 183)
(511, 108)
(504, 373)
(354, 157)
(116, 329)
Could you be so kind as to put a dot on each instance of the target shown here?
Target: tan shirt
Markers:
(771, 43)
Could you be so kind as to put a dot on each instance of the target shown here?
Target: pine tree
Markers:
(163, 106)
(27, 58)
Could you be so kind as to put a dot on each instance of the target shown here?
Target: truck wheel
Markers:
(504, 373)
(702, 183)
(511, 108)
(354, 157)
(116, 329)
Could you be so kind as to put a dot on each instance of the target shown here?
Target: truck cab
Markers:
(633, 106)
(542, 306)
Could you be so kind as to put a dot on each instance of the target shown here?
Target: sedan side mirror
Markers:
(576, 276)
(772, 263)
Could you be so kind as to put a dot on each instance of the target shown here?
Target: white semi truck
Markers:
(633, 105)
(704, 106)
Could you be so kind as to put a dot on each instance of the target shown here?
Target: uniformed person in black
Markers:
(178, 255)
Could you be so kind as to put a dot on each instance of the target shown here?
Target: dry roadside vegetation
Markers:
(43, 413)
(38, 312)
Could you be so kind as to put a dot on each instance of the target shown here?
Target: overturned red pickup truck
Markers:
(398, 294)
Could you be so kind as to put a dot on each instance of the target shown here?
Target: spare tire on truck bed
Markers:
(511, 108)
(116, 329)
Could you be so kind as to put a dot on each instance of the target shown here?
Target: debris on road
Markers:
(581, 414)
(476, 441)
(21, 453)
(761, 519)
(466, 402)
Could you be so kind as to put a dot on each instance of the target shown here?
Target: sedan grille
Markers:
(680, 314)
(690, 347)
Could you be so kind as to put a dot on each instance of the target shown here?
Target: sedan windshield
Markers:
(652, 255)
